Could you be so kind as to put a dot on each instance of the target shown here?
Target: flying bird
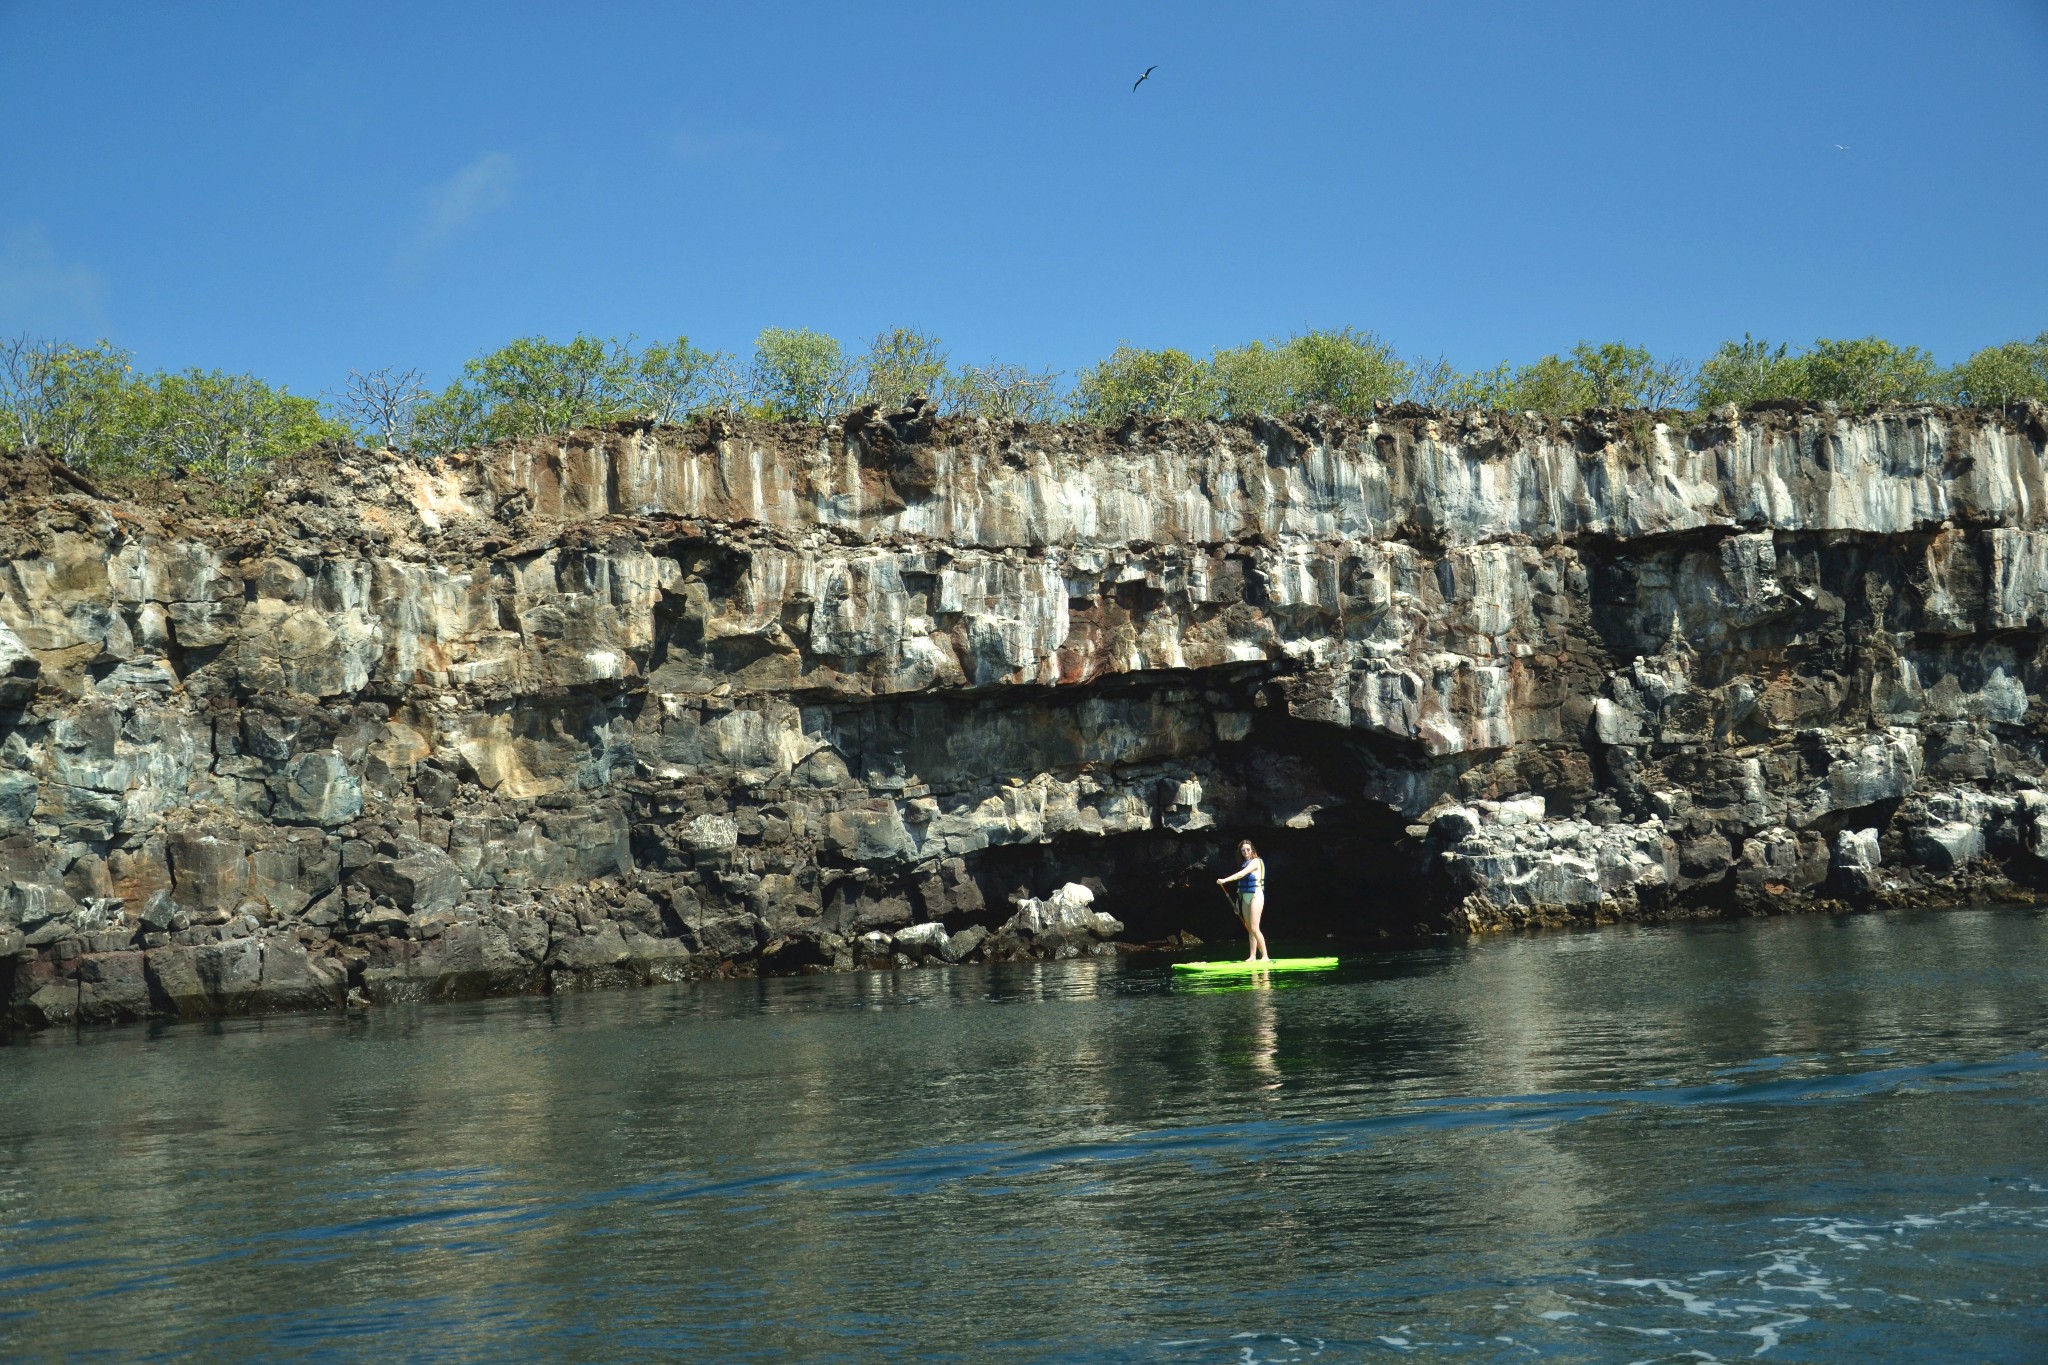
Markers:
(1840, 148)
(1146, 77)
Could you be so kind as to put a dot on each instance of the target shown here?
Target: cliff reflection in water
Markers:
(1762, 1135)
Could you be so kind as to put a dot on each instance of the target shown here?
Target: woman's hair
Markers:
(1246, 845)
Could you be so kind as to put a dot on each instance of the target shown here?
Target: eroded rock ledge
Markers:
(653, 703)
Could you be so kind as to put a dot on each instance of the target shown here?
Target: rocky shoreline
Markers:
(655, 703)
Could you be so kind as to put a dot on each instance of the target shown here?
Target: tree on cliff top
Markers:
(1347, 369)
(536, 387)
(1608, 375)
(86, 406)
(1997, 375)
(901, 364)
(221, 425)
(1004, 393)
(1859, 372)
(800, 375)
(383, 405)
(1871, 370)
(674, 380)
(1255, 378)
(68, 400)
(1133, 382)
(1749, 371)
(1618, 375)
(1344, 369)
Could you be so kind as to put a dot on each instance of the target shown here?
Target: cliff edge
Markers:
(648, 703)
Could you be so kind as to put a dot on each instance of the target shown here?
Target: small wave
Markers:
(929, 1168)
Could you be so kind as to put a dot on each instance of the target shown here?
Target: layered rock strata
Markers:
(651, 703)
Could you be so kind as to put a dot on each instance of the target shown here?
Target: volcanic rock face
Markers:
(652, 703)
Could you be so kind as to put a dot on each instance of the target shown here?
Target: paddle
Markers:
(1235, 908)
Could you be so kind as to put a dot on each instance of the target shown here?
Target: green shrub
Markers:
(1347, 370)
(72, 401)
(1870, 370)
(1140, 383)
(1553, 385)
(901, 364)
(1622, 376)
(536, 387)
(800, 375)
(85, 405)
(1492, 389)
(1609, 375)
(1432, 383)
(1997, 375)
(457, 418)
(1750, 371)
(1256, 378)
(673, 380)
(220, 425)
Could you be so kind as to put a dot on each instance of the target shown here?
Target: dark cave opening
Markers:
(1352, 878)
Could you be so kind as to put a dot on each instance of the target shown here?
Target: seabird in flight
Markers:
(1146, 77)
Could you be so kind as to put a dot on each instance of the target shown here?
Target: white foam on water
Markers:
(1798, 1265)
(1843, 1232)
(1797, 1282)
(1769, 1334)
(1754, 1308)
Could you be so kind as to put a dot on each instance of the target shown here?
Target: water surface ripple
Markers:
(1804, 1139)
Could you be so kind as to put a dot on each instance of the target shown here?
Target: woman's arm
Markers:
(1235, 875)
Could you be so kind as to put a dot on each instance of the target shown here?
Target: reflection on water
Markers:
(1800, 1139)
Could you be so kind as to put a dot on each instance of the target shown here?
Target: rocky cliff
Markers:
(649, 703)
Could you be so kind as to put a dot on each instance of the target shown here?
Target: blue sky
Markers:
(298, 190)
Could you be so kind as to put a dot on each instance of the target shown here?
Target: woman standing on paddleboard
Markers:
(1251, 899)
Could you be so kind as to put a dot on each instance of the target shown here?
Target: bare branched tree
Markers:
(1669, 383)
(1432, 383)
(383, 404)
(23, 367)
(1005, 393)
(725, 382)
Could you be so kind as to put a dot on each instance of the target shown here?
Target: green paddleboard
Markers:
(1278, 964)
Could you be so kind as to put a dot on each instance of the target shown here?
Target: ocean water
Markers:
(1794, 1139)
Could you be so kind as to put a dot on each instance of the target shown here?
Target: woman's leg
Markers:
(1251, 923)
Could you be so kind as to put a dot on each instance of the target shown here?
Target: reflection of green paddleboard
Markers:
(1278, 964)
